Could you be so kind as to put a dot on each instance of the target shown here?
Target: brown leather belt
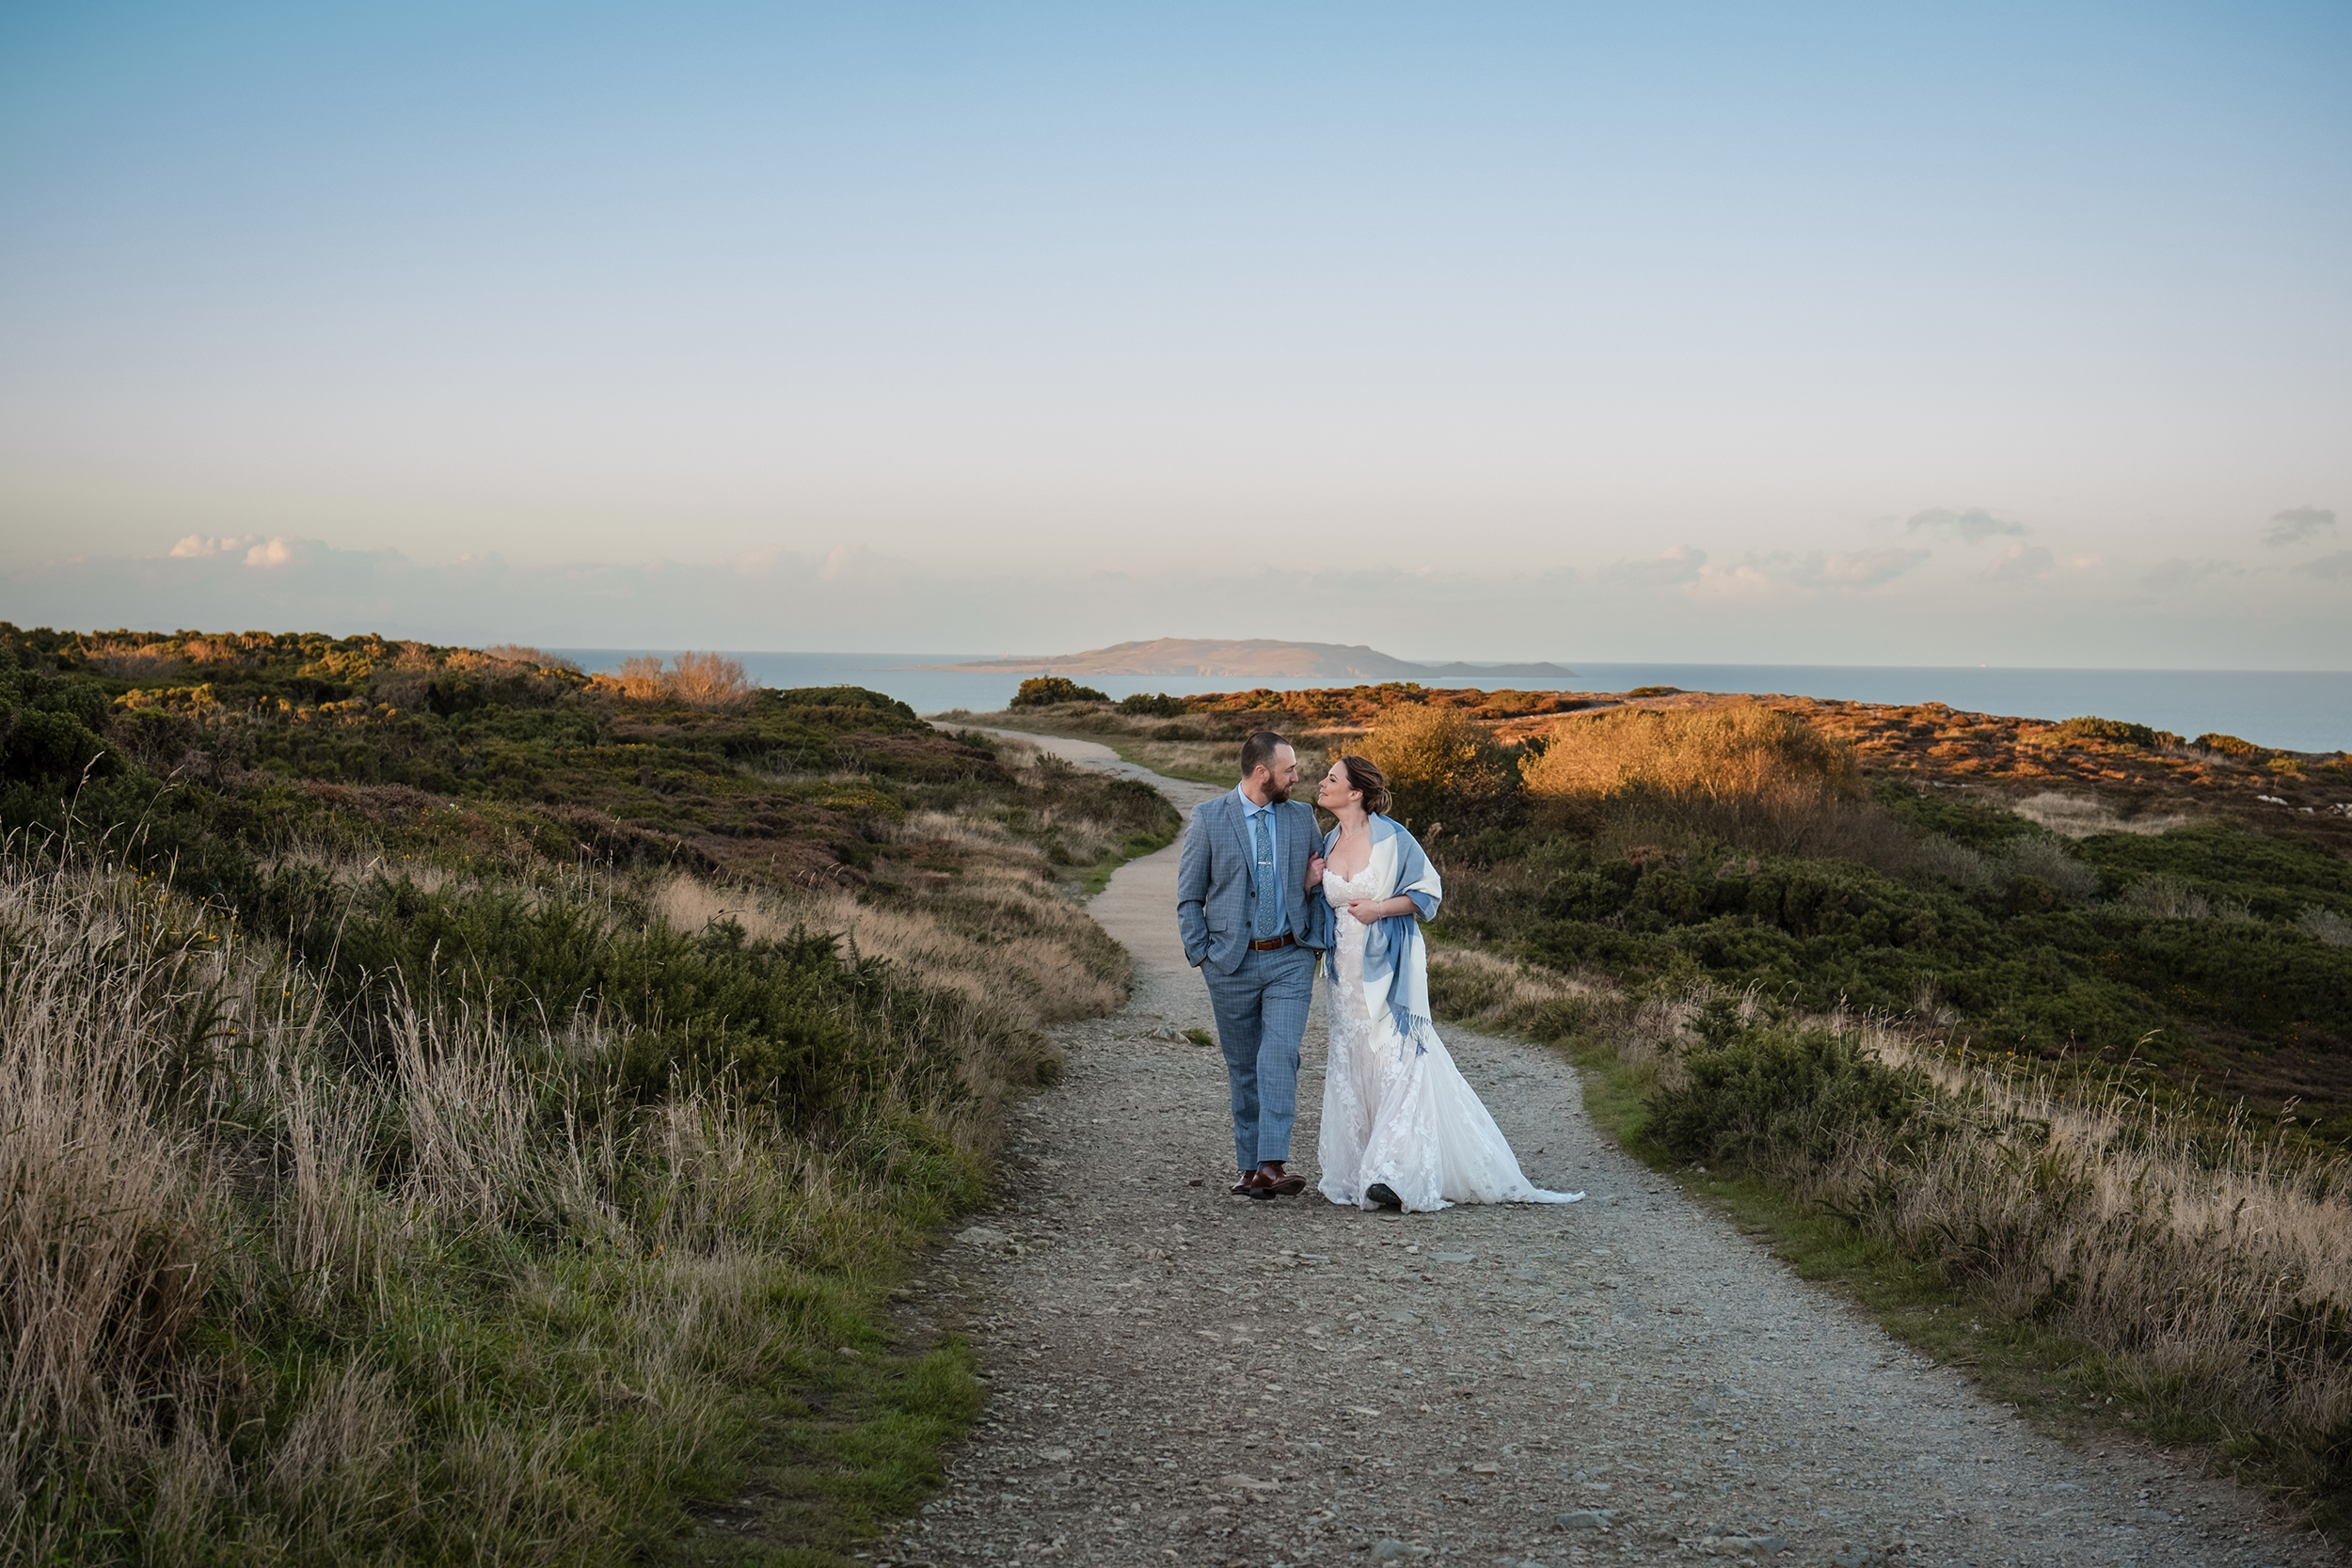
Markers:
(1271, 943)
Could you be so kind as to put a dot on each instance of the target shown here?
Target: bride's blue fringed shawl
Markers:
(1396, 961)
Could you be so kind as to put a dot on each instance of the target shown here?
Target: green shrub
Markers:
(1159, 705)
(1781, 1097)
(38, 744)
(1046, 691)
(2226, 745)
(787, 1022)
(2116, 730)
(2027, 958)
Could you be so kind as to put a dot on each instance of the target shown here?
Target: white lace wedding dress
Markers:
(1393, 1116)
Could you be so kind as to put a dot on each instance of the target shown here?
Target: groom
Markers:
(1249, 908)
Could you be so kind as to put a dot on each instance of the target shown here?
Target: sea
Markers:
(2297, 710)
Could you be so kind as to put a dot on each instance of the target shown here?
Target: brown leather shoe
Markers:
(1255, 1184)
(1279, 1182)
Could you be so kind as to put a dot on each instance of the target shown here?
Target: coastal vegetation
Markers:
(2063, 890)
(2037, 1035)
(462, 1109)
(1048, 690)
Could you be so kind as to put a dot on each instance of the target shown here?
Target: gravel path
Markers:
(1181, 1376)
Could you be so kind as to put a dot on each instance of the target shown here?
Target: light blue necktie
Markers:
(1262, 920)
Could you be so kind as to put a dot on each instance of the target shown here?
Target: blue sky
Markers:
(1838, 334)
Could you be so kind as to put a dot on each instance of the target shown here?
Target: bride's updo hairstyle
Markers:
(1364, 774)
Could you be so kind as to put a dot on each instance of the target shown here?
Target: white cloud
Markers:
(1748, 580)
(276, 553)
(1785, 574)
(1855, 569)
(855, 567)
(201, 547)
(2166, 577)
(1972, 526)
(2021, 563)
(2298, 524)
(1678, 563)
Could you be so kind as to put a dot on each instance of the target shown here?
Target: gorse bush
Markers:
(1783, 1097)
(2121, 732)
(1046, 691)
(47, 720)
(1159, 705)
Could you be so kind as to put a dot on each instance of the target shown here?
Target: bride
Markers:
(1400, 1128)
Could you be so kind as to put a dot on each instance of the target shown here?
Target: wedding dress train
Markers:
(1397, 1115)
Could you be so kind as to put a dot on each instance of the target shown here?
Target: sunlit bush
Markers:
(697, 680)
(1746, 772)
(1445, 768)
(2115, 730)
(1046, 690)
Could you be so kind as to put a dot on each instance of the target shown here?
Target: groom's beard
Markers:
(1277, 795)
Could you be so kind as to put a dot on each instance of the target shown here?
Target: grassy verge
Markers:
(2083, 1250)
(858, 1448)
(2063, 1384)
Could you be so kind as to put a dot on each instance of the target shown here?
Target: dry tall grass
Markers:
(250, 1296)
(2212, 1264)
(2081, 816)
(1746, 772)
(694, 679)
(1004, 938)
(2324, 925)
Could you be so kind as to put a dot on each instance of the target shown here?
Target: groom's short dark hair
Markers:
(1258, 751)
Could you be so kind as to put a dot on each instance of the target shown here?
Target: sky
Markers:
(1804, 333)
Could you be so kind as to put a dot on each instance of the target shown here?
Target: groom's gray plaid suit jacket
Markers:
(1212, 881)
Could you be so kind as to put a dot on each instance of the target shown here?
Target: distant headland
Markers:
(1251, 659)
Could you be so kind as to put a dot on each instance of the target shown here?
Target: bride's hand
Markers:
(1364, 909)
(1314, 872)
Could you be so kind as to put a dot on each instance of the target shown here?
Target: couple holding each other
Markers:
(1259, 892)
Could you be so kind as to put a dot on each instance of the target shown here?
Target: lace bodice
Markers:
(1348, 953)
